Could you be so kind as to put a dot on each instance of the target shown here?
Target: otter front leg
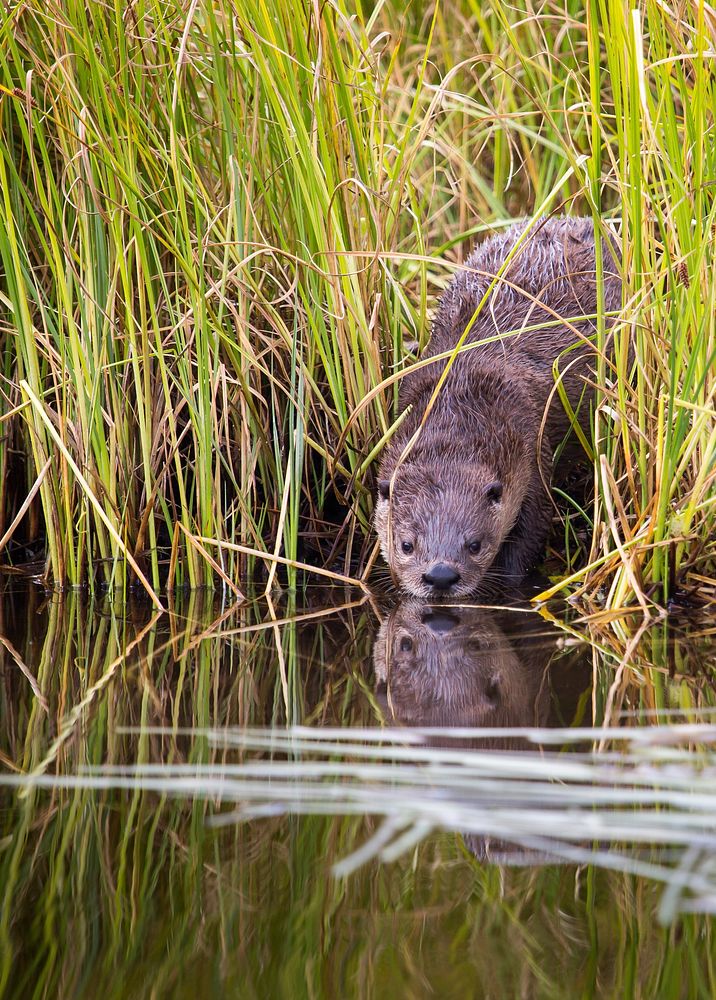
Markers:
(524, 545)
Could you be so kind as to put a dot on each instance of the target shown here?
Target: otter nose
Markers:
(441, 576)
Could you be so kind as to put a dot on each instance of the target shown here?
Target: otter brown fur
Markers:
(467, 507)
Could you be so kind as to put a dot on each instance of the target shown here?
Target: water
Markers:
(132, 890)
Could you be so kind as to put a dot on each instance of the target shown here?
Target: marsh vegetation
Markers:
(222, 225)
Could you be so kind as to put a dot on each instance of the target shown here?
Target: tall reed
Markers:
(221, 224)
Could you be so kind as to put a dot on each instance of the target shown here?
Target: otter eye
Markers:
(475, 546)
(406, 644)
(407, 547)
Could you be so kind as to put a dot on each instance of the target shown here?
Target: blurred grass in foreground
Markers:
(221, 223)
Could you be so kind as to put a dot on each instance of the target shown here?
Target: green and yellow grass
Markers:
(220, 224)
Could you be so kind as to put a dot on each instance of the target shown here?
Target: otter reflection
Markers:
(476, 668)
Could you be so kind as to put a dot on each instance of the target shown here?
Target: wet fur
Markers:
(485, 425)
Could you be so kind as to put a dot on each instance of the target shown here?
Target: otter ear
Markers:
(493, 492)
(384, 489)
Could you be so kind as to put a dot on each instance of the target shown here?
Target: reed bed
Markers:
(222, 226)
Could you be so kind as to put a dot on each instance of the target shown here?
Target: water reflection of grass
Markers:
(135, 879)
(562, 807)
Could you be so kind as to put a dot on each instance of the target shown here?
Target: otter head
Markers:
(440, 533)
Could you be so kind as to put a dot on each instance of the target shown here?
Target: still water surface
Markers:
(134, 890)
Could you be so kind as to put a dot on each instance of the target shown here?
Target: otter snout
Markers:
(441, 576)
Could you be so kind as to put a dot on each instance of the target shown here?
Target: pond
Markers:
(319, 796)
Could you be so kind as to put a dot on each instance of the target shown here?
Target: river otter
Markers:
(467, 507)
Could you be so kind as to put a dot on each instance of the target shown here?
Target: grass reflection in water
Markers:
(134, 740)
